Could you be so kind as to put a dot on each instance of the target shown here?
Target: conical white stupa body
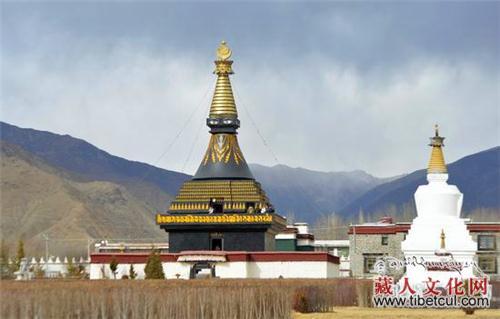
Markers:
(438, 240)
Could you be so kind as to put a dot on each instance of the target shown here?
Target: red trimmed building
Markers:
(223, 264)
(371, 241)
(221, 223)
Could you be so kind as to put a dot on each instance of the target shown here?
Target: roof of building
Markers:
(382, 228)
(331, 243)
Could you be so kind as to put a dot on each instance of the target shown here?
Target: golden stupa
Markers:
(222, 207)
(223, 176)
(437, 164)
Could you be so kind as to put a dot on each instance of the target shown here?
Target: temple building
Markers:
(222, 207)
(369, 242)
(221, 223)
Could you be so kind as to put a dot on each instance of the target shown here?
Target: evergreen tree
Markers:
(154, 268)
(131, 272)
(20, 254)
(113, 266)
(5, 268)
(73, 270)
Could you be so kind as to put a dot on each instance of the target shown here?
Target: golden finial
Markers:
(437, 164)
(223, 105)
(443, 237)
(223, 51)
(442, 251)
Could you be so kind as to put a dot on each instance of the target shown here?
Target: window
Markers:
(216, 205)
(385, 240)
(369, 262)
(487, 263)
(250, 207)
(486, 242)
(216, 241)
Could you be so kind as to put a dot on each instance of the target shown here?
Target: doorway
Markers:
(202, 270)
(216, 243)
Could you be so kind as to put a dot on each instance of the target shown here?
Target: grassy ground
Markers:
(392, 313)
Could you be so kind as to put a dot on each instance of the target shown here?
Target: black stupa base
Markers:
(256, 235)
(220, 240)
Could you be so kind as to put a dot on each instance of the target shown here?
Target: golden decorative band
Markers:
(213, 219)
(223, 148)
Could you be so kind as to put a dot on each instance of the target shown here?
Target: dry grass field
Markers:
(212, 298)
(391, 313)
(216, 298)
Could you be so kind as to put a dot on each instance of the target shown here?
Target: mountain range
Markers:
(303, 194)
(70, 190)
(477, 176)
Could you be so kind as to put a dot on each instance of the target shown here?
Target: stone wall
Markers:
(372, 244)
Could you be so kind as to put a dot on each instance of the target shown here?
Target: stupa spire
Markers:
(222, 207)
(223, 158)
(223, 105)
(437, 164)
(443, 238)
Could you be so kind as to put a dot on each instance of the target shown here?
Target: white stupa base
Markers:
(424, 236)
(438, 209)
(419, 274)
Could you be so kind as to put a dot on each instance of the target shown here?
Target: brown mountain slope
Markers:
(38, 199)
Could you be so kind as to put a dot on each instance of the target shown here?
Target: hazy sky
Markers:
(330, 86)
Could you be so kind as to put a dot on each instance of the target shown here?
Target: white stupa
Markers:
(438, 236)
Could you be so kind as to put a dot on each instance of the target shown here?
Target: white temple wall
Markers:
(235, 269)
(172, 269)
(268, 270)
(332, 270)
(293, 269)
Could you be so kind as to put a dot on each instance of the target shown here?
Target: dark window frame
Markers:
(217, 204)
(384, 240)
(371, 257)
(494, 241)
(495, 264)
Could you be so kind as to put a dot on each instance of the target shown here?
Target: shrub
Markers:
(113, 266)
(364, 293)
(5, 268)
(73, 271)
(20, 255)
(131, 272)
(154, 268)
(39, 272)
(300, 303)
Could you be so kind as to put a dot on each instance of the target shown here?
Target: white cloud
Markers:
(317, 110)
(329, 118)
